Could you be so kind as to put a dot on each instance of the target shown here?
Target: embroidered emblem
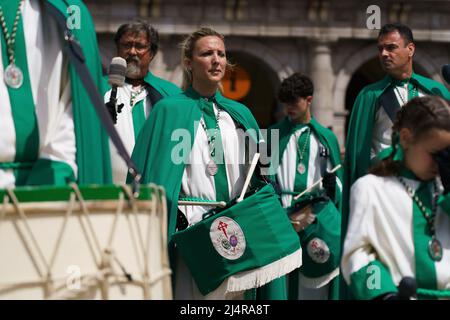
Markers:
(318, 250)
(227, 238)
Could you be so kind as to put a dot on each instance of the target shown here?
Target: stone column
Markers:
(322, 75)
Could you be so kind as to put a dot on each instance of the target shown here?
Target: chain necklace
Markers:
(413, 93)
(434, 245)
(211, 167)
(13, 76)
(301, 168)
(135, 94)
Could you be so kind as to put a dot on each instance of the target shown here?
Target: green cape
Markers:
(329, 140)
(359, 136)
(152, 153)
(164, 87)
(154, 145)
(325, 136)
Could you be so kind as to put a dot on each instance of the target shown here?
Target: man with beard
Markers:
(375, 108)
(137, 43)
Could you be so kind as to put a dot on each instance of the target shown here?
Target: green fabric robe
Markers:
(154, 146)
(359, 136)
(92, 149)
(329, 140)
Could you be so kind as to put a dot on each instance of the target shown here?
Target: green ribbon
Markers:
(220, 178)
(395, 150)
(424, 265)
(301, 180)
(21, 99)
(138, 117)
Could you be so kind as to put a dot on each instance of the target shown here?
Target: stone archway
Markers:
(262, 52)
(267, 73)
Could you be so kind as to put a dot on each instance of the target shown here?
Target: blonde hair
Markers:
(187, 49)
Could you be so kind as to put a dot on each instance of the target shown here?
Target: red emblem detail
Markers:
(223, 227)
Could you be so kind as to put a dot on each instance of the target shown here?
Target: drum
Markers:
(91, 242)
(243, 246)
(320, 240)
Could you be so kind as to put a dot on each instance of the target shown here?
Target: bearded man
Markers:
(137, 43)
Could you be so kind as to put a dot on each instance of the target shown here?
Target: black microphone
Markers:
(446, 72)
(116, 78)
(407, 289)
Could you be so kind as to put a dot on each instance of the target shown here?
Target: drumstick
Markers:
(249, 176)
(220, 204)
(316, 183)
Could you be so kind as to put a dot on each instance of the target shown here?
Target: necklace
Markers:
(13, 76)
(301, 168)
(413, 93)
(434, 245)
(135, 94)
(211, 167)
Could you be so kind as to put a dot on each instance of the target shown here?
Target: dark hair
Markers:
(404, 31)
(420, 115)
(137, 27)
(295, 86)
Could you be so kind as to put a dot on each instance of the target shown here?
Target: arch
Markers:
(262, 52)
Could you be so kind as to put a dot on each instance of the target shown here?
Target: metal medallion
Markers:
(211, 168)
(435, 249)
(301, 168)
(13, 76)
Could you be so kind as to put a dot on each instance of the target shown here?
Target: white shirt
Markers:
(125, 127)
(380, 227)
(382, 129)
(287, 169)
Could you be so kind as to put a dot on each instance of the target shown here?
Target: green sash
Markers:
(21, 99)
(218, 154)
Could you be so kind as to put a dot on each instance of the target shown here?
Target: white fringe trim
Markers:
(314, 283)
(234, 286)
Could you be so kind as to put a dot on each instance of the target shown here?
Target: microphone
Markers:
(407, 289)
(446, 72)
(116, 78)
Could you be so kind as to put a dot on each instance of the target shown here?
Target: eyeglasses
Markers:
(140, 48)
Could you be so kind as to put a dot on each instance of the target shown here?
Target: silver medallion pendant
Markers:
(13, 76)
(435, 249)
(211, 168)
(301, 168)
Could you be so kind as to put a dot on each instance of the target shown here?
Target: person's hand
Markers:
(442, 158)
(302, 218)
(112, 111)
(329, 184)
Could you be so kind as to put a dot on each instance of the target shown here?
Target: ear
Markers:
(187, 63)
(411, 48)
(309, 99)
(406, 138)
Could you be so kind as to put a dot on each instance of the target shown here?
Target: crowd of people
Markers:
(384, 207)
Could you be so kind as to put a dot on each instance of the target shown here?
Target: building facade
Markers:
(270, 39)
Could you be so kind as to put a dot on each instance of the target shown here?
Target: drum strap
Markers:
(77, 59)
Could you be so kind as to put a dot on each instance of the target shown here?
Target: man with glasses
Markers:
(137, 43)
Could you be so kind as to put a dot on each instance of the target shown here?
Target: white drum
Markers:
(93, 242)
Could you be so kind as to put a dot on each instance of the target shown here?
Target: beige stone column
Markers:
(322, 75)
